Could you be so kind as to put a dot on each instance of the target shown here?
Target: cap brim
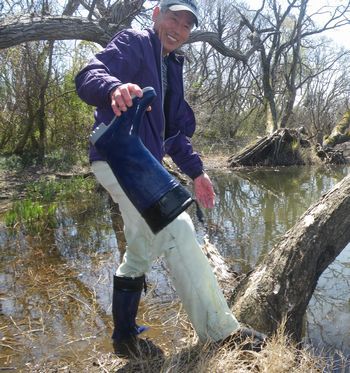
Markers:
(177, 8)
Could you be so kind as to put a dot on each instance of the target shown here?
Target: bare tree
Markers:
(219, 85)
(267, 89)
(103, 19)
(282, 35)
(325, 96)
(341, 132)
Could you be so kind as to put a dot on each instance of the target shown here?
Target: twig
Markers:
(8, 346)
(77, 340)
(29, 331)
(8, 368)
(14, 323)
(78, 300)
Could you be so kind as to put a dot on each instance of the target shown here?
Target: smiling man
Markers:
(131, 61)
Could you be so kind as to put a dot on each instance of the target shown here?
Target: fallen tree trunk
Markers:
(277, 149)
(340, 133)
(285, 147)
(282, 284)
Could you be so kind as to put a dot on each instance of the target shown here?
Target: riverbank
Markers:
(13, 181)
(55, 303)
(278, 356)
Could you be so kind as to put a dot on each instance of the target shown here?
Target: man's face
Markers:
(173, 28)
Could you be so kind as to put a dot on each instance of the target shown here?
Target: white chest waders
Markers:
(142, 186)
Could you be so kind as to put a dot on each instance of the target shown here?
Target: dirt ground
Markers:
(12, 183)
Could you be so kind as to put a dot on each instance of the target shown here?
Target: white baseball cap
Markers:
(177, 5)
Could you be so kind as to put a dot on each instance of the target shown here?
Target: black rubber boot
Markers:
(126, 298)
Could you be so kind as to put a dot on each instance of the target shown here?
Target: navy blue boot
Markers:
(126, 298)
(156, 194)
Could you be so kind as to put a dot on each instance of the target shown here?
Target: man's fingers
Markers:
(121, 98)
(206, 201)
(115, 108)
(135, 90)
(128, 91)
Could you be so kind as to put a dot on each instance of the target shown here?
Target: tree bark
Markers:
(340, 133)
(28, 28)
(282, 284)
(278, 149)
(41, 112)
(214, 40)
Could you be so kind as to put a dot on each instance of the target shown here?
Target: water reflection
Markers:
(328, 316)
(55, 288)
(255, 208)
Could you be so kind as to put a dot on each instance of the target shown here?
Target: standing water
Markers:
(55, 285)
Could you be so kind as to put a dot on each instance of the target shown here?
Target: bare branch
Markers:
(27, 28)
(91, 11)
(71, 7)
(214, 40)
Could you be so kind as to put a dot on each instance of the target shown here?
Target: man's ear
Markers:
(155, 14)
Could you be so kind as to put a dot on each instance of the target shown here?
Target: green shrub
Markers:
(32, 215)
(38, 211)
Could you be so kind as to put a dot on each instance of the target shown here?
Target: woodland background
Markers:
(252, 68)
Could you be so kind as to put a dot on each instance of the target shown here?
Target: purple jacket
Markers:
(135, 57)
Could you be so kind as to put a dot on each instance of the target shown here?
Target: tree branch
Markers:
(214, 40)
(28, 28)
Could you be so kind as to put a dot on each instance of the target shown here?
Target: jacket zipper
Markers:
(161, 97)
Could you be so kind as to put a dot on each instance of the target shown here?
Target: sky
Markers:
(340, 36)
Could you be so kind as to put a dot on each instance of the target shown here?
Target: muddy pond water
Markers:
(55, 287)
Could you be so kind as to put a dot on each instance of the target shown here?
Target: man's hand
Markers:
(204, 191)
(121, 97)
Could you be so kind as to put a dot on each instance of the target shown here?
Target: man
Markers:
(131, 61)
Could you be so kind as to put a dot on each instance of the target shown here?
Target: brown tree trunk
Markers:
(279, 149)
(41, 112)
(269, 96)
(29, 125)
(340, 133)
(283, 283)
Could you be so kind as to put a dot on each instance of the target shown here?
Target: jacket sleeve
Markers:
(180, 126)
(181, 152)
(115, 65)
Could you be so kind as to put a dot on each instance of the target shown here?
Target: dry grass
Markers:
(187, 355)
(275, 358)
